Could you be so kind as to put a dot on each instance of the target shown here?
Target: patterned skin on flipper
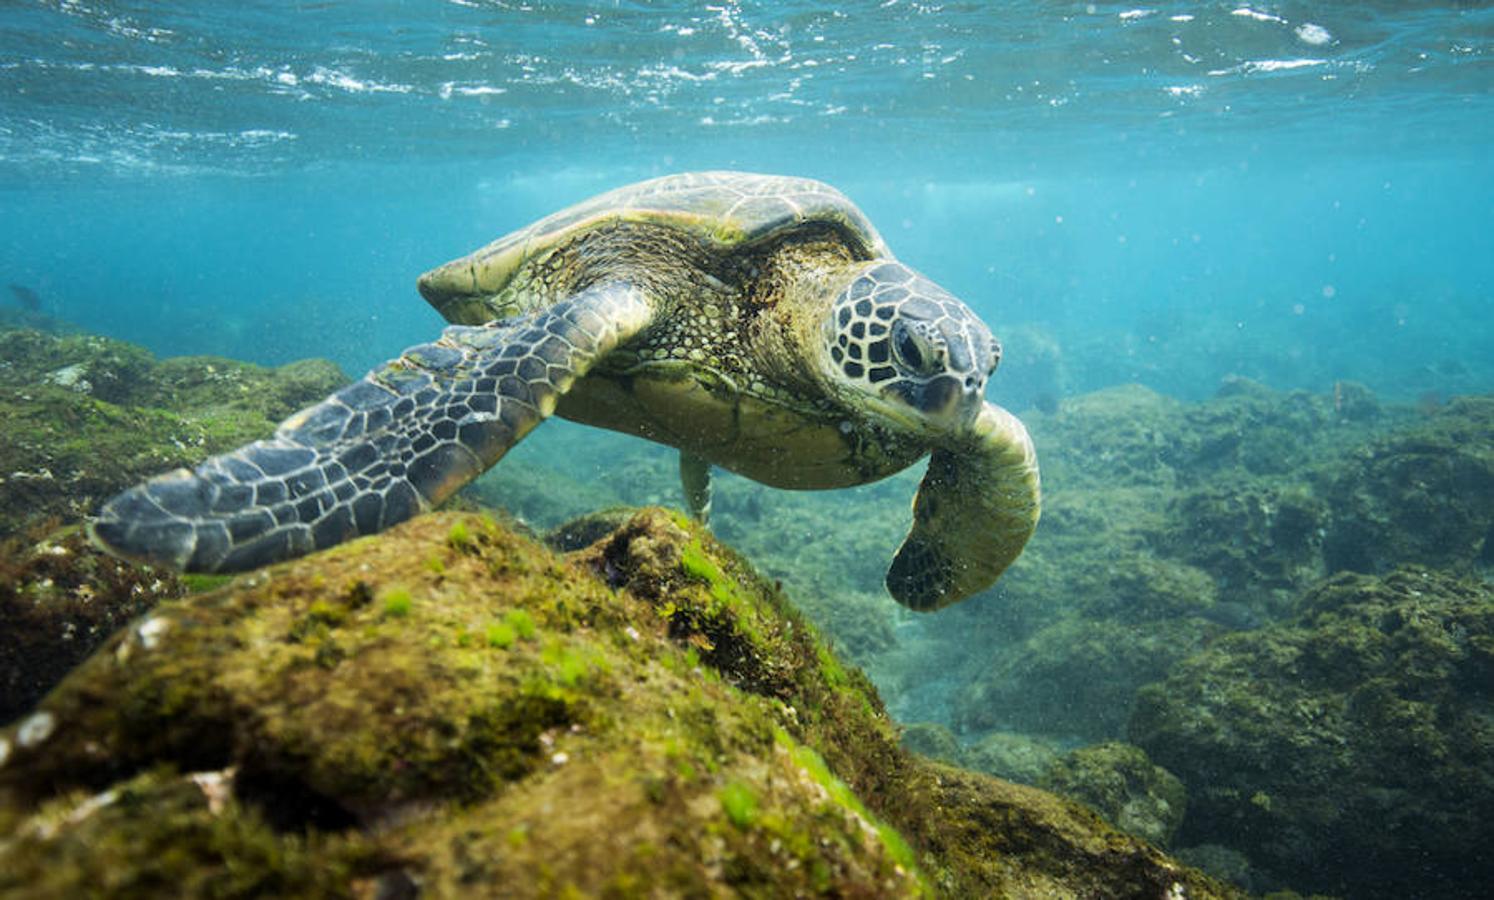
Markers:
(380, 450)
(975, 510)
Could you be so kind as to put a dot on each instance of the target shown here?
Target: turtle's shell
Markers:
(724, 211)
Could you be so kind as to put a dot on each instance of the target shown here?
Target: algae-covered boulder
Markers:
(451, 709)
(59, 599)
(934, 741)
(85, 416)
(1348, 751)
(1259, 540)
(1119, 782)
(1074, 679)
(1422, 495)
(1022, 758)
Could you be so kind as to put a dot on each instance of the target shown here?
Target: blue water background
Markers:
(1168, 194)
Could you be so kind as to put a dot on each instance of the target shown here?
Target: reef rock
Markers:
(452, 709)
(1349, 750)
(1424, 495)
(1119, 782)
(86, 416)
(59, 599)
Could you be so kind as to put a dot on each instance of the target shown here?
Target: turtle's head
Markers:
(909, 349)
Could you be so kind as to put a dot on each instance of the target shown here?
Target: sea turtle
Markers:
(754, 322)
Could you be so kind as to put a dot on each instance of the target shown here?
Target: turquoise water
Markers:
(1170, 194)
(1166, 194)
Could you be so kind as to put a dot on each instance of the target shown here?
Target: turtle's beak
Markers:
(946, 403)
(952, 403)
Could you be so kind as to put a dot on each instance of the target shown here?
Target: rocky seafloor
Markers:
(1255, 634)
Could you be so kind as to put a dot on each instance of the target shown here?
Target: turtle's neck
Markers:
(791, 297)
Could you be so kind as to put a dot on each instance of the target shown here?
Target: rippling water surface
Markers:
(258, 86)
(1167, 193)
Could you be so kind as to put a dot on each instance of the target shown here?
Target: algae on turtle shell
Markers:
(663, 723)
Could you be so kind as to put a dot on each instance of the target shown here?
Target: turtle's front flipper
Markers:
(976, 508)
(378, 451)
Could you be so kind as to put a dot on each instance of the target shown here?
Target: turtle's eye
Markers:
(913, 349)
(995, 356)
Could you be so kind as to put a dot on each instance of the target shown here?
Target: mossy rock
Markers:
(1347, 751)
(59, 599)
(455, 708)
(86, 416)
(1422, 495)
(1260, 542)
(1125, 435)
(1119, 782)
(1022, 758)
(1142, 587)
(1074, 679)
(934, 741)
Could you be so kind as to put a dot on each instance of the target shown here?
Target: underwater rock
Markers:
(1167, 524)
(1126, 434)
(586, 530)
(451, 709)
(1355, 401)
(59, 599)
(1226, 865)
(829, 549)
(1422, 495)
(934, 741)
(1014, 757)
(1076, 678)
(1119, 782)
(86, 416)
(1259, 541)
(1348, 751)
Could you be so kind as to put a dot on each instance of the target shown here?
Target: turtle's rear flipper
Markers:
(377, 452)
(976, 508)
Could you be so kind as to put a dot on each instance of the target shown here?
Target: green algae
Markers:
(500, 635)
(521, 623)
(86, 416)
(839, 793)
(608, 751)
(198, 583)
(459, 538)
(738, 803)
(398, 603)
(1361, 710)
(1119, 782)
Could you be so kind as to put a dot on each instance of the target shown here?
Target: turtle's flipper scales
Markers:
(976, 508)
(382, 449)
